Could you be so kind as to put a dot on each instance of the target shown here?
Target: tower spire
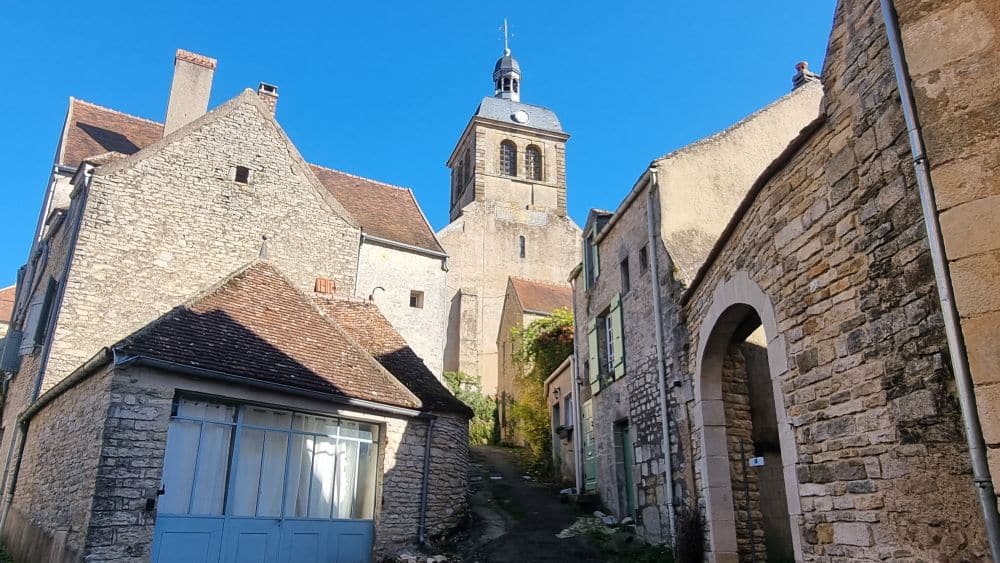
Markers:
(507, 73)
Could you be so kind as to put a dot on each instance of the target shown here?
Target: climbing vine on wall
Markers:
(542, 346)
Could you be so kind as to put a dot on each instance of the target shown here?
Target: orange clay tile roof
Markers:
(95, 130)
(6, 304)
(382, 210)
(256, 325)
(542, 297)
(372, 330)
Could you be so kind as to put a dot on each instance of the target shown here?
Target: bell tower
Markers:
(510, 153)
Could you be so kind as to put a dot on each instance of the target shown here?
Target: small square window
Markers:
(242, 175)
(417, 299)
(643, 260)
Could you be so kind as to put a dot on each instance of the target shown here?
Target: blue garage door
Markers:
(244, 483)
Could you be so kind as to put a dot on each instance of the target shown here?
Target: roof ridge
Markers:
(115, 111)
(386, 184)
(561, 285)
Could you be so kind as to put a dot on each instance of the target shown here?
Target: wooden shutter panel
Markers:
(594, 361)
(617, 341)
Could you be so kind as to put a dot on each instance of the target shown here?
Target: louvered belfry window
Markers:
(533, 162)
(508, 158)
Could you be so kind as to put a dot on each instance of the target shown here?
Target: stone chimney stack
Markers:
(189, 90)
(269, 94)
(803, 75)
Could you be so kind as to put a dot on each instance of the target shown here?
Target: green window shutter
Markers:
(594, 361)
(617, 343)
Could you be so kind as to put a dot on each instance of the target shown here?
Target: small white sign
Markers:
(756, 462)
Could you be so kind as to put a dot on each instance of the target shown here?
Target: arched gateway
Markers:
(748, 455)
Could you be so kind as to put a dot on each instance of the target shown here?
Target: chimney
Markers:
(189, 90)
(325, 285)
(803, 75)
(269, 94)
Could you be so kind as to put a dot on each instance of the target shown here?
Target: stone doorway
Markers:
(751, 512)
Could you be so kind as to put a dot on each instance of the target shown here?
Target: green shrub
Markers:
(468, 389)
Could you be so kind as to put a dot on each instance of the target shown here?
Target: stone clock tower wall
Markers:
(508, 218)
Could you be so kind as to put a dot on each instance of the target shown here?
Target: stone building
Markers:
(560, 395)
(526, 301)
(806, 377)
(141, 355)
(6, 310)
(508, 218)
(614, 286)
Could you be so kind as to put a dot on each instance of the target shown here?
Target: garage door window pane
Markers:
(273, 474)
(251, 452)
(212, 467)
(178, 469)
(324, 472)
(364, 495)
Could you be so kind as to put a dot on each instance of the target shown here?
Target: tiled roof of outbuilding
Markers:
(542, 297)
(382, 210)
(366, 324)
(258, 326)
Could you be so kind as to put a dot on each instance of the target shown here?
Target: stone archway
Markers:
(737, 331)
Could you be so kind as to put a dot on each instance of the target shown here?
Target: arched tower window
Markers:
(533, 162)
(508, 158)
(522, 246)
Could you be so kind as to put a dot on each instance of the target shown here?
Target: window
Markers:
(242, 460)
(533, 162)
(568, 411)
(643, 260)
(591, 261)
(417, 299)
(606, 347)
(36, 322)
(626, 282)
(515, 85)
(521, 245)
(556, 419)
(468, 167)
(242, 175)
(508, 158)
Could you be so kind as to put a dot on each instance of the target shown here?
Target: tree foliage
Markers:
(468, 389)
(542, 346)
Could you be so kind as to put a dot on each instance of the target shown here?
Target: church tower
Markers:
(508, 217)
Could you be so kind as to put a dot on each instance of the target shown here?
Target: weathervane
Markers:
(506, 42)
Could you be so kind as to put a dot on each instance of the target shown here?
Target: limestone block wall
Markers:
(170, 221)
(399, 272)
(834, 242)
(636, 397)
(953, 54)
(483, 249)
(50, 516)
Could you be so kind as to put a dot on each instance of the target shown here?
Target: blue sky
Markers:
(383, 89)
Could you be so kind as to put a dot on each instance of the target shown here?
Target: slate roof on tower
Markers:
(541, 297)
(256, 325)
(382, 210)
(503, 110)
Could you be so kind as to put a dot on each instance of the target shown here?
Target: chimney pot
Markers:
(190, 89)
(803, 75)
(269, 94)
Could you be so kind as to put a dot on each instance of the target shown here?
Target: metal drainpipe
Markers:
(22, 435)
(953, 331)
(651, 187)
(577, 426)
(578, 406)
(422, 530)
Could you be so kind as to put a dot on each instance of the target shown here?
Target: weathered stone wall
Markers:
(702, 183)
(170, 221)
(636, 396)
(483, 250)
(835, 242)
(59, 468)
(399, 272)
(953, 54)
(399, 518)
